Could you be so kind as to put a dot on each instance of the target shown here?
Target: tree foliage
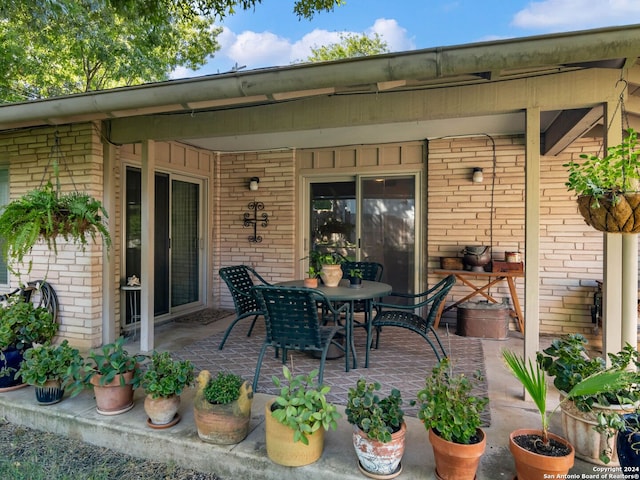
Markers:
(60, 47)
(350, 45)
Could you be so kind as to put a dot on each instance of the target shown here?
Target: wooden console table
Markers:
(491, 278)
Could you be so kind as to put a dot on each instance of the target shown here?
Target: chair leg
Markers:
(258, 366)
(227, 332)
(435, 334)
(253, 324)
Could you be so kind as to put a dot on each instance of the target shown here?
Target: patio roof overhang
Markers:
(150, 111)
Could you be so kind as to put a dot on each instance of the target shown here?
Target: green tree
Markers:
(60, 47)
(350, 45)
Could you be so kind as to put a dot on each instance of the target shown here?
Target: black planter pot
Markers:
(10, 360)
(628, 446)
(49, 394)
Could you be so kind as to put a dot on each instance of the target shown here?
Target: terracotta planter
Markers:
(379, 459)
(12, 360)
(331, 275)
(311, 282)
(224, 424)
(281, 448)
(162, 411)
(49, 393)
(113, 398)
(623, 217)
(578, 430)
(533, 466)
(455, 461)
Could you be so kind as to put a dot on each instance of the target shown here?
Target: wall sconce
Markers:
(477, 175)
(253, 183)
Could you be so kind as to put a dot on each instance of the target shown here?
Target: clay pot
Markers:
(331, 275)
(113, 398)
(281, 448)
(162, 410)
(49, 393)
(224, 424)
(533, 466)
(455, 461)
(311, 282)
(377, 458)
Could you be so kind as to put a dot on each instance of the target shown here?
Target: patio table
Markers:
(344, 293)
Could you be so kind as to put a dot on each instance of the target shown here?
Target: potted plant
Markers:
(586, 417)
(45, 213)
(21, 325)
(163, 381)
(47, 368)
(378, 429)
(628, 443)
(312, 278)
(222, 407)
(451, 414)
(296, 419)
(608, 186)
(113, 373)
(330, 269)
(355, 278)
(538, 453)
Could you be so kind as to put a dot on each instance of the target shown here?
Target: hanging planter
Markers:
(46, 214)
(608, 187)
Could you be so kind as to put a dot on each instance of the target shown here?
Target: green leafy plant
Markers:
(45, 213)
(111, 360)
(377, 416)
(47, 362)
(533, 378)
(355, 273)
(609, 176)
(165, 376)
(447, 406)
(223, 389)
(302, 405)
(22, 324)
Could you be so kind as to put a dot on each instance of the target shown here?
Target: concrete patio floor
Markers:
(130, 434)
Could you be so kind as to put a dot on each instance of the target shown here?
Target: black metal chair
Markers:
(239, 279)
(293, 322)
(407, 316)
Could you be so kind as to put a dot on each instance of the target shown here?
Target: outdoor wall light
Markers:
(253, 183)
(477, 175)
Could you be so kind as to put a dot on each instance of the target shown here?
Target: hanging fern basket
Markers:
(619, 214)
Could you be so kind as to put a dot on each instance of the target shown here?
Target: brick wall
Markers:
(76, 275)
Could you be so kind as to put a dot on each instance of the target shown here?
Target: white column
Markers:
(629, 327)
(108, 265)
(532, 235)
(147, 247)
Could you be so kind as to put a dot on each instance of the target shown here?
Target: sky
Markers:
(271, 35)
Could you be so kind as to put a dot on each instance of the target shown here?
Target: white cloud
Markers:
(577, 14)
(393, 34)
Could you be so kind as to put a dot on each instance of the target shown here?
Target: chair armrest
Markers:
(258, 276)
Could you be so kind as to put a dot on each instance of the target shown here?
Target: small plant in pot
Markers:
(163, 381)
(312, 278)
(222, 407)
(114, 374)
(589, 421)
(378, 429)
(295, 421)
(22, 324)
(330, 267)
(47, 367)
(540, 453)
(608, 186)
(355, 278)
(452, 415)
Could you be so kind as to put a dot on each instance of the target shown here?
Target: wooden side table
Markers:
(491, 278)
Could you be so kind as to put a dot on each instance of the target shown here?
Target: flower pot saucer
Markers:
(115, 412)
(13, 387)
(176, 419)
(379, 476)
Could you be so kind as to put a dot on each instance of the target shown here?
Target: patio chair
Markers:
(293, 322)
(239, 280)
(408, 316)
(371, 271)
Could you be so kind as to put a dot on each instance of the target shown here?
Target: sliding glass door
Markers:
(370, 219)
